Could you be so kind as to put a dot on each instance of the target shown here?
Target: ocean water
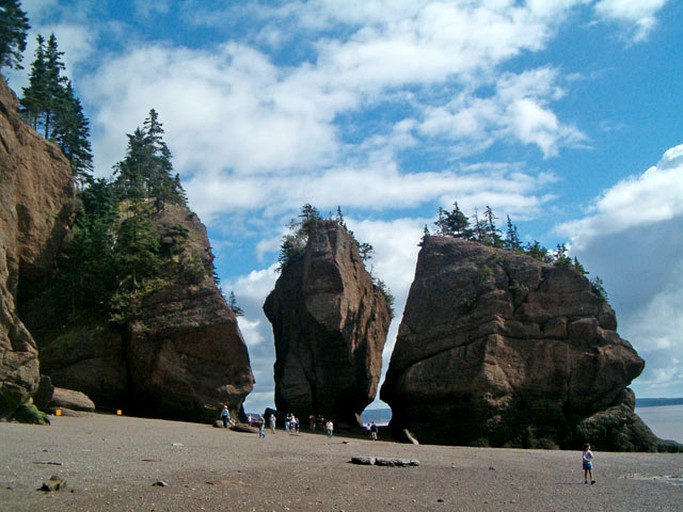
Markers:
(666, 421)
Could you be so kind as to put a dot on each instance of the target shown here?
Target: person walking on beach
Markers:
(273, 422)
(261, 426)
(587, 461)
(329, 426)
(225, 416)
(373, 431)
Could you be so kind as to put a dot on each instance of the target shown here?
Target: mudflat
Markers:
(119, 463)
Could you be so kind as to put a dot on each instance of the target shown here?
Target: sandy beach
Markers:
(113, 463)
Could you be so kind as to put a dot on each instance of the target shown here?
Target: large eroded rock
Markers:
(36, 206)
(330, 325)
(496, 348)
(182, 357)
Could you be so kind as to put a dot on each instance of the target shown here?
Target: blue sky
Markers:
(565, 115)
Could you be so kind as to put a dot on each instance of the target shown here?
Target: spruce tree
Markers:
(55, 83)
(146, 171)
(512, 241)
(35, 96)
(44, 96)
(72, 134)
(454, 223)
(13, 29)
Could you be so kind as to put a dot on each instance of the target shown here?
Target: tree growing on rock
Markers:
(13, 29)
(146, 173)
(50, 104)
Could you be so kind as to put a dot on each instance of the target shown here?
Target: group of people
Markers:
(371, 430)
(292, 425)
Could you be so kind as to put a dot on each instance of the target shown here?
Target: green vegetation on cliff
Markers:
(294, 243)
(13, 28)
(125, 241)
(483, 229)
(50, 105)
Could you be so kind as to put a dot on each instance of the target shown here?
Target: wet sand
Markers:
(112, 463)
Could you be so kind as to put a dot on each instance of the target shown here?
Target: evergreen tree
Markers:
(479, 229)
(35, 96)
(365, 250)
(537, 251)
(232, 303)
(340, 218)
(599, 289)
(560, 258)
(137, 250)
(491, 233)
(55, 84)
(309, 214)
(42, 98)
(579, 267)
(131, 172)
(87, 274)
(454, 223)
(294, 243)
(512, 241)
(13, 29)
(72, 134)
(146, 171)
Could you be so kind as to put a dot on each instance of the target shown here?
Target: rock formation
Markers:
(330, 324)
(496, 348)
(182, 357)
(36, 206)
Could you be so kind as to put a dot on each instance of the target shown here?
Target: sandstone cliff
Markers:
(496, 348)
(36, 206)
(330, 325)
(181, 356)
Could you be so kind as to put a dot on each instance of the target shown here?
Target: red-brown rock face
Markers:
(181, 358)
(330, 325)
(36, 205)
(496, 348)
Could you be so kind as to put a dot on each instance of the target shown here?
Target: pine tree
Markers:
(13, 29)
(146, 171)
(131, 172)
(72, 133)
(560, 258)
(365, 250)
(45, 93)
(35, 96)
(454, 223)
(479, 230)
(512, 241)
(232, 303)
(537, 251)
(490, 232)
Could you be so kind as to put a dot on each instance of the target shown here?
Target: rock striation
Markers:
(330, 324)
(498, 349)
(36, 207)
(181, 357)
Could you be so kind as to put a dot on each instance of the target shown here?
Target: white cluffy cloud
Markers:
(632, 238)
(655, 196)
(638, 15)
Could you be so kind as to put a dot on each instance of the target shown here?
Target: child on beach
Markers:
(587, 460)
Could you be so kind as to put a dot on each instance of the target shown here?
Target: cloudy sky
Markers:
(564, 114)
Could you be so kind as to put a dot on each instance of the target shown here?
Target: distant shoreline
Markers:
(384, 414)
(656, 402)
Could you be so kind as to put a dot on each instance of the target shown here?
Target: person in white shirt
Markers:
(587, 462)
